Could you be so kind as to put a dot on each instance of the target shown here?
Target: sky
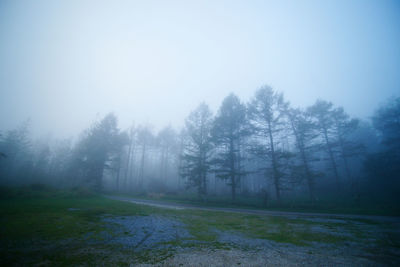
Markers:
(64, 64)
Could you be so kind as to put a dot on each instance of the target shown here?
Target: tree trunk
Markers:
(132, 167)
(346, 165)
(166, 159)
(332, 158)
(118, 174)
(141, 172)
(162, 163)
(310, 178)
(128, 161)
(274, 164)
(232, 167)
(307, 172)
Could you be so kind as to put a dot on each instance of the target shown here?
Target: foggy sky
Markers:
(65, 63)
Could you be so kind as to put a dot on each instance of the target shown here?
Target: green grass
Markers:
(52, 225)
(59, 217)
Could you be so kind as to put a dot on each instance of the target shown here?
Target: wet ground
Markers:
(103, 232)
(153, 233)
(145, 232)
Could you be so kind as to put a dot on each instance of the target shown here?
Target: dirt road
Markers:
(174, 205)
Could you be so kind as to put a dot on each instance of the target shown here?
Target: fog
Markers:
(199, 133)
(278, 101)
(65, 64)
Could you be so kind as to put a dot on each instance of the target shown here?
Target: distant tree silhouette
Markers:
(98, 150)
(145, 139)
(323, 114)
(229, 129)
(267, 117)
(16, 163)
(304, 131)
(196, 150)
(383, 167)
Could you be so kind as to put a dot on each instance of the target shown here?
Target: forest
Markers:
(264, 150)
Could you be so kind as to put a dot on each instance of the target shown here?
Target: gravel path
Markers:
(154, 233)
(265, 257)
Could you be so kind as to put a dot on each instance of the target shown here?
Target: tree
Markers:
(304, 131)
(323, 114)
(167, 141)
(383, 167)
(145, 138)
(129, 167)
(267, 117)
(344, 127)
(60, 159)
(386, 121)
(17, 160)
(182, 140)
(229, 129)
(196, 150)
(116, 155)
(97, 150)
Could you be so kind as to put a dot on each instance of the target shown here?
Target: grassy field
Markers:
(48, 227)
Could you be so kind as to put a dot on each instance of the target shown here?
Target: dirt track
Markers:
(174, 205)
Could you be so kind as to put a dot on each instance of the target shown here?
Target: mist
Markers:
(65, 64)
(114, 113)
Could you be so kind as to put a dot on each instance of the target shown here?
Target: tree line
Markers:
(264, 147)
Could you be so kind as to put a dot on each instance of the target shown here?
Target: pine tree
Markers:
(229, 129)
(267, 117)
(323, 115)
(197, 148)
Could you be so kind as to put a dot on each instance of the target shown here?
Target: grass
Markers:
(324, 205)
(279, 229)
(57, 217)
(39, 225)
(52, 225)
